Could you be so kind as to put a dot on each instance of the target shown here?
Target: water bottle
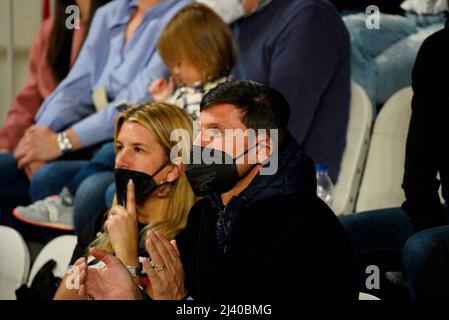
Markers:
(324, 185)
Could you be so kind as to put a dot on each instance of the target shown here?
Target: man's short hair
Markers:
(263, 107)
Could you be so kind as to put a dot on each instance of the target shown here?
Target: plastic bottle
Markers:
(324, 185)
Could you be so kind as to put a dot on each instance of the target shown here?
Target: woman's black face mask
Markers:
(144, 184)
(205, 178)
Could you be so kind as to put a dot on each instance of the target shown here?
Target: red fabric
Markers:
(39, 85)
(45, 9)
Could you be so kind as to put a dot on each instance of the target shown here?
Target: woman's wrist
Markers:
(127, 256)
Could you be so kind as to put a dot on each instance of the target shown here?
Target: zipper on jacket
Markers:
(225, 228)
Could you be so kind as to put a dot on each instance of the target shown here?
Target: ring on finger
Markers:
(159, 269)
(156, 268)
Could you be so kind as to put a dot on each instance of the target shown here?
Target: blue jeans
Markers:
(416, 251)
(386, 238)
(47, 181)
(52, 177)
(16, 189)
(109, 196)
(382, 60)
(87, 180)
(13, 189)
(89, 199)
(102, 161)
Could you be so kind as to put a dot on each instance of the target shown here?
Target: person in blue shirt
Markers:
(120, 59)
(302, 49)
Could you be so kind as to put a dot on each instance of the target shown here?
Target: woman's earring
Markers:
(162, 194)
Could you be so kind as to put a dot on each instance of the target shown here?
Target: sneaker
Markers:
(53, 212)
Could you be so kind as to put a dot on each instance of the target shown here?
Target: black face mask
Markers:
(209, 178)
(144, 184)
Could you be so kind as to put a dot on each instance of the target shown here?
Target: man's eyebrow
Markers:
(213, 125)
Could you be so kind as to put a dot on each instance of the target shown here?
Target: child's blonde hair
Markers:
(198, 35)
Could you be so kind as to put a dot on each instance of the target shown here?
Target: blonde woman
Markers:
(146, 176)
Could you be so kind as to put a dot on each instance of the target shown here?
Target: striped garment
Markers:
(189, 97)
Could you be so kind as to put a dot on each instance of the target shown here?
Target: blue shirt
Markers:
(302, 49)
(125, 70)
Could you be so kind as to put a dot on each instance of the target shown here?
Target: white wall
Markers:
(27, 17)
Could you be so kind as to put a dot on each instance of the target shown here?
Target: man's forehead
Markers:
(224, 115)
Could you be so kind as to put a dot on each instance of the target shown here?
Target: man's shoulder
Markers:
(287, 199)
(295, 203)
(437, 41)
(303, 16)
(319, 6)
(196, 211)
(295, 209)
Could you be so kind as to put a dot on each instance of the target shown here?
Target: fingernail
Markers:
(130, 182)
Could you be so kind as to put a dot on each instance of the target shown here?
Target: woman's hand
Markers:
(70, 284)
(113, 282)
(161, 89)
(121, 226)
(166, 273)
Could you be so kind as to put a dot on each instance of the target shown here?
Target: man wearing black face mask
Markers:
(256, 234)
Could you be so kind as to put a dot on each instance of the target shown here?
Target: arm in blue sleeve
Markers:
(306, 56)
(100, 126)
(71, 100)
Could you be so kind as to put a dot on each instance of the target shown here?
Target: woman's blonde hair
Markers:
(161, 119)
(199, 35)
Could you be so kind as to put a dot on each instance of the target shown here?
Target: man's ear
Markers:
(264, 148)
(175, 169)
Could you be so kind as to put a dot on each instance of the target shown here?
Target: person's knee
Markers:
(8, 167)
(109, 196)
(89, 198)
(7, 160)
(420, 245)
(416, 250)
(39, 182)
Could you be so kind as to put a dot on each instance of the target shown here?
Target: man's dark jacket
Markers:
(283, 242)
